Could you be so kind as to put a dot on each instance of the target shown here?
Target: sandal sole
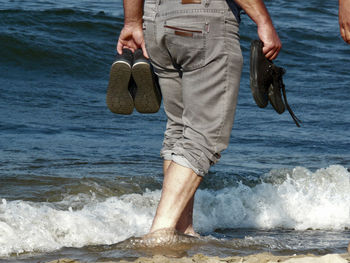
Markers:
(260, 97)
(119, 99)
(147, 97)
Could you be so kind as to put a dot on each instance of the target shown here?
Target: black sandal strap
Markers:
(279, 73)
(295, 118)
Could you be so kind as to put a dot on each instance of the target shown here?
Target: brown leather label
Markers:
(184, 34)
(186, 2)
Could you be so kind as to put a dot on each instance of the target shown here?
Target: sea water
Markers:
(75, 179)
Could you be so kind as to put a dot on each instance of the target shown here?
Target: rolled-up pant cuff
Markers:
(180, 159)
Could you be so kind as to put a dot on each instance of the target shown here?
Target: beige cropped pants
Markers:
(195, 51)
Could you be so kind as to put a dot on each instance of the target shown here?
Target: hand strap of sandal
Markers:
(279, 72)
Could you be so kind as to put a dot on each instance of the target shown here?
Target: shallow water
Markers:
(76, 179)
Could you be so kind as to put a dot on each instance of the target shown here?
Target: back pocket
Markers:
(186, 43)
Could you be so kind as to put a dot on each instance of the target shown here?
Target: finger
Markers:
(347, 35)
(143, 46)
(274, 55)
(277, 51)
(266, 49)
(342, 33)
(132, 45)
(119, 48)
(270, 54)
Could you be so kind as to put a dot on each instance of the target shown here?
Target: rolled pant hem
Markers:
(181, 160)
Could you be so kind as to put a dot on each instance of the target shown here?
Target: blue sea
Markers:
(76, 179)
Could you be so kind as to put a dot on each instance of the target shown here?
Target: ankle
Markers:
(162, 223)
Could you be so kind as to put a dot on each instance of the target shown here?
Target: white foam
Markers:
(301, 200)
(27, 227)
(304, 200)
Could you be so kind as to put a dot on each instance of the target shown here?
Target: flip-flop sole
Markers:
(119, 99)
(259, 95)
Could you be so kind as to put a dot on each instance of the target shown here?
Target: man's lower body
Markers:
(194, 48)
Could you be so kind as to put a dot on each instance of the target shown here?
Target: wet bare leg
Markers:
(185, 223)
(179, 186)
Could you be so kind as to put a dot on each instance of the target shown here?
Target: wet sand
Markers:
(257, 258)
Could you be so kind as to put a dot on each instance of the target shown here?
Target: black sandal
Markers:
(266, 82)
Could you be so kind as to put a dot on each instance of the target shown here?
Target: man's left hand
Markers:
(131, 37)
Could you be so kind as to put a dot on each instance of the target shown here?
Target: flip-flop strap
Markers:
(279, 73)
(295, 118)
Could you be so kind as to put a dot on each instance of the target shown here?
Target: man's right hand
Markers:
(272, 43)
(344, 19)
(257, 11)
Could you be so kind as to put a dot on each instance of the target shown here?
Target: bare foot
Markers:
(191, 232)
(166, 237)
(161, 237)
